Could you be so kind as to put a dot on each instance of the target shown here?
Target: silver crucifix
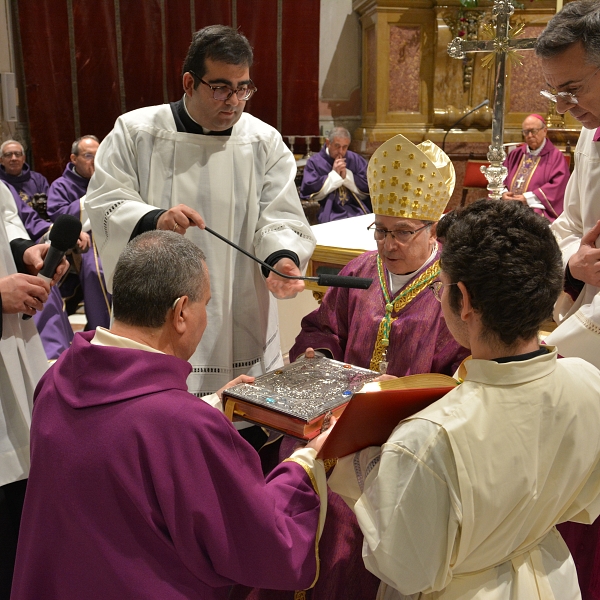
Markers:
(501, 45)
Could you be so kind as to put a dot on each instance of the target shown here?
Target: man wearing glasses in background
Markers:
(570, 51)
(203, 159)
(537, 171)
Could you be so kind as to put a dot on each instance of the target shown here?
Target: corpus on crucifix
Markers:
(502, 45)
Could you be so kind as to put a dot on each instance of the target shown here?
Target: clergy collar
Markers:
(104, 337)
(538, 150)
(185, 123)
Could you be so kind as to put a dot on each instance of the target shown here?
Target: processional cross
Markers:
(503, 44)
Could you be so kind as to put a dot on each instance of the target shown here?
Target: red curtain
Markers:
(87, 61)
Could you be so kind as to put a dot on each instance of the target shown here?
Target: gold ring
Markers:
(175, 226)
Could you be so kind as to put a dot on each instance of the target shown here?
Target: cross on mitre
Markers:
(503, 44)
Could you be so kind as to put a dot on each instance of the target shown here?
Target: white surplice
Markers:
(462, 500)
(578, 333)
(22, 361)
(243, 187)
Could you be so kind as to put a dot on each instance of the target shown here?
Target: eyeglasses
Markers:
(527, 132)
(88, 156)
(437, 287)
(402, 236)
(568, 97)
(224, 92)
(16, 154)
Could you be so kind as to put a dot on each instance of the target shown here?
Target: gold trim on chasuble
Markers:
(301, 594)
(524, 173)
(404, 298)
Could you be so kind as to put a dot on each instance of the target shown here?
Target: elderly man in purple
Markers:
(137, 488)
(337, 178)
(65, 197)
(15, 171)
(537, 171)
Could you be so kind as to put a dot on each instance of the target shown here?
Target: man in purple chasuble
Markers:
(537, 171)
(337, 178)
(15, 171)
(138, 489)
(396, 326)
(65, 197)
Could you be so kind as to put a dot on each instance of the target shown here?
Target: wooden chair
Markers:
(474, 178)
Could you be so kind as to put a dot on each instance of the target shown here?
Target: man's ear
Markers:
(179, 314)
(73, 158)
(466, 309)
(188, 83)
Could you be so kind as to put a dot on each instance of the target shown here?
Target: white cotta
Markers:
(462, 500)
(578, 333)
(22, 361)
(243, 187)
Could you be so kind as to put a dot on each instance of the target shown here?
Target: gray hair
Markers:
(339, 132)
(154, 270)
(220, 43)
(75, 146)
(577, 21)
(7, 142)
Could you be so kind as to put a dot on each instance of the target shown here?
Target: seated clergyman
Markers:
(138, 489)
(396, 326)
(462, 499)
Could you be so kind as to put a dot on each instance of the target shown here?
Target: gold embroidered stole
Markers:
(404, 298)
(524, 173)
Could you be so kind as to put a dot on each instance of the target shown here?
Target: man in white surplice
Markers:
(22, 363)
(462, 499)
(202, 159)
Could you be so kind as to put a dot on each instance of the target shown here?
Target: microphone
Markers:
(345, 281)
(63, 236)
(480, 105)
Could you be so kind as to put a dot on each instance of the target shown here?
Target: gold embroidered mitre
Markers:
(414, 182)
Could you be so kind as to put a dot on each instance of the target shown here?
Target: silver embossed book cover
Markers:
(296, 398)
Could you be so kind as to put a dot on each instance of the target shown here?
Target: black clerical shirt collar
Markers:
(529, 355)
(185, 124)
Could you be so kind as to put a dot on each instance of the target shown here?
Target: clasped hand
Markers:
(585, 263)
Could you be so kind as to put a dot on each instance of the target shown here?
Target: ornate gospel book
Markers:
(296, 398)
(375, 411)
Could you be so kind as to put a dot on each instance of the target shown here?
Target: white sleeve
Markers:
(409, 510)
(14, 226)
(351, 185)
(333, 182)
(533, 201)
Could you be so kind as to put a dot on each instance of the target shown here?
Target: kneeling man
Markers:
(462, 500)
(138, 489)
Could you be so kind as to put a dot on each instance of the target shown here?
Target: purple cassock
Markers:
(346, 324)
(546, 175)
(52, 321)
(63, 198)
(341, 202)
(138, 489)
(27, 183)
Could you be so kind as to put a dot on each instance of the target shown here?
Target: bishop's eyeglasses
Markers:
(568, 97)
(400, 235)
(224, 92)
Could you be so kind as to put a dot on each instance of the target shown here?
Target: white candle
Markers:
(559, 4)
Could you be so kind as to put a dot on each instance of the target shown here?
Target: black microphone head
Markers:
(65, 232)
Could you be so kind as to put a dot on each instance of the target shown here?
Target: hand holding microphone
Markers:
(63, 236)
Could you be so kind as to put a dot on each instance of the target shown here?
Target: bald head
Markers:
(534, 131)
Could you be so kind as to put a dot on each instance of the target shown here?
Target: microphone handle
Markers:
(324, 280)
(51, 261)
(484, 103)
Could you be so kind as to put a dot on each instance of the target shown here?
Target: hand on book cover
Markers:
(240, 379)
(318, 441)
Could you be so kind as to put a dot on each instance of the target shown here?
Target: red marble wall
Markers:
(404, 69)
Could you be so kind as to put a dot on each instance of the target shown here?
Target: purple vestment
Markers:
(138, 489)
(548, 180)
(346, 324)
(348, 320)
(52, 321)
(63, 198)
(333, 207)
(27, 183)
